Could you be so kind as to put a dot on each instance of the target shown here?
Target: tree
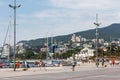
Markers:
(42, 55)
(28, 54)
(19, 56)
(56, 55)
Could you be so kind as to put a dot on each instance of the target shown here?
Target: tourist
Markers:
(103, 62)
(73, 65)
(113, 61)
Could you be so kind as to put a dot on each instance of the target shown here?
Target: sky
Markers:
(41, 18)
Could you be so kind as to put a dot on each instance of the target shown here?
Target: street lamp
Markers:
(14, 7)
(110, 48)
(97, 25)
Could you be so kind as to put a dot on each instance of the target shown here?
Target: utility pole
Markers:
(47, 50)
(97, 25)
(14, 7)
(110, 47)
(51, 46)
(9, 39)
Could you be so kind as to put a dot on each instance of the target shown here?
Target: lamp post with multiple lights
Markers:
(97, 25)
(14, 7)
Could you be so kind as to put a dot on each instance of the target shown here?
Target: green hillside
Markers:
(105, 33)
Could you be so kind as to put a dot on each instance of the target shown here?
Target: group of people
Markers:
(25, 64)
(40, 64)
(112, 62)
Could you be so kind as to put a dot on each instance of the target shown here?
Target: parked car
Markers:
(11, 65)
(31, 64)
(0, 64)
(4, 65)
(49, 65)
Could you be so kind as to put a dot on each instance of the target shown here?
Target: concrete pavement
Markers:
(44, 70)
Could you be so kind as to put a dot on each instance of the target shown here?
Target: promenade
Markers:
(8, 72)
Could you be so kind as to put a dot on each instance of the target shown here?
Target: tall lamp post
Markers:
(110, 48)
(97, 25)
(47, 50)
(14, 7)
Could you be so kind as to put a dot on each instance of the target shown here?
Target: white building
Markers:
(21, 48)
(6, 50)
(85, 53)
(106, 43)
(75, 38)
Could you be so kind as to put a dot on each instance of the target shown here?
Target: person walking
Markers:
(113, 61)
(73, 65)
(26, 64)
(103, 61)
(97, 62)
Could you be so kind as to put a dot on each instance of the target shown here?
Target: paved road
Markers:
(81, 73)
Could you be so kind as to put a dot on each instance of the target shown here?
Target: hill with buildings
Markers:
(112, 31)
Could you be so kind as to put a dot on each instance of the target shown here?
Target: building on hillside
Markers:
(43, 49)
(88, 45)
(83, 39)
(106, 43)
(85, 53)
(21, 48)
(61, 48)
(75, 39)
(101, 41)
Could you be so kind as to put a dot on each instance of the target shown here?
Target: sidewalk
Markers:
(31, 71)
(44, 70)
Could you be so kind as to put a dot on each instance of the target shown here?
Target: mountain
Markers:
(112, 31)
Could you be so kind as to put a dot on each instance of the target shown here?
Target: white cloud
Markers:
(85, 4)
(69, 16)
(57, 13)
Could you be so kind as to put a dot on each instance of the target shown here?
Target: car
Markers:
(0, 64)
(5, 65)
(49, 65)
(11, 65)
(31, 64)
